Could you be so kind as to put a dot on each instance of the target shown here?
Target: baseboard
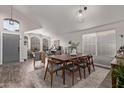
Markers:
(103, 66)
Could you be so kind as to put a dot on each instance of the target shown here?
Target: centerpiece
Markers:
(73, 47)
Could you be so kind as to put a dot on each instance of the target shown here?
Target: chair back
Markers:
(84, 59)
(43, 56)
(90, 58)
(73, 61)
(50, 61)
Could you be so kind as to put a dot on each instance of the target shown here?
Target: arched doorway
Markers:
(35, 44)
(45, 44)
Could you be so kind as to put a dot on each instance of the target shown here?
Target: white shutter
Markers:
(100, 43)
(106, 43)
(89, 44)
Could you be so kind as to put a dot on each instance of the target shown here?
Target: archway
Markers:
(45, 44)
(35, 44)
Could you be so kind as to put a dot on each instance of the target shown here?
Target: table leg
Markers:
(34, 63)
(64, 73)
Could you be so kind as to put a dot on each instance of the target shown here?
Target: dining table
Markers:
(64, 58)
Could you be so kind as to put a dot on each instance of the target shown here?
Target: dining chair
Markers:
(90, 63)
(73, 67)
(52, 67)
(33, 59)
(83, 64)
(43, 56)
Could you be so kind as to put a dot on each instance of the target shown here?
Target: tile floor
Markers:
(23, 75)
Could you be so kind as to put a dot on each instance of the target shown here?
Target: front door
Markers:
(10, 48)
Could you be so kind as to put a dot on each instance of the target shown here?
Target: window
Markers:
(45, 44)
(106, 43)
(11, 25)
(100, 43)
(89, 44)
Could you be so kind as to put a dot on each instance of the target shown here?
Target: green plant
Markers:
(119, 73)
(73, 44)
(69, 42)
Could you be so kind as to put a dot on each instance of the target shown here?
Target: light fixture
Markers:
(11, 24)
(122, 36)
(81, 13)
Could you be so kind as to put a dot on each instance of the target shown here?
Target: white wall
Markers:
(77, 35)
(23, 49)
(0, 50)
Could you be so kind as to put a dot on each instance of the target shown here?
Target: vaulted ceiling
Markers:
(62, 18)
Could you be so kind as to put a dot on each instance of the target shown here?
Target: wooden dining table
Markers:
(64, 58)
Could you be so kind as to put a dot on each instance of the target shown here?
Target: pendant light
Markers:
(81, 13)
(11, 24)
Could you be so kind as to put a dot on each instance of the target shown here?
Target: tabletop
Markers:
(66, 57)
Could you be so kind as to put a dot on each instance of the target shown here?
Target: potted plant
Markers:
(73, 47)
(118, 73)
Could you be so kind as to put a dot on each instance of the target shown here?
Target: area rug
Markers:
(92, 81)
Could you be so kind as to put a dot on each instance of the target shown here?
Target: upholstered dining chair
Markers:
(83, 64)
(73, 67)
(33, 59)
(52, 67)
(43, 56)
(90, 62)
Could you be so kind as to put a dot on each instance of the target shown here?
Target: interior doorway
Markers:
(35, 44)
(45, 44)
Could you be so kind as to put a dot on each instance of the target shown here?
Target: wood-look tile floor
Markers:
(15, 75)
(23, 75)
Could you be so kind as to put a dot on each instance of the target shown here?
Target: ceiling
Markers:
(62, 18)
(25, 22)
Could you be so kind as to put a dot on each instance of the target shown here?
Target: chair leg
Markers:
(89, 69)
(72, 77)
(93, 67)
(84, 73)
(45, 74)
(34, 63)
(51, 79)
(56, 73)
(80, 74)
(62, 74)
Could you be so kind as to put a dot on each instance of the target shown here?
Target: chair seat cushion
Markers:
(55, 67)
(82, 64)
(71, 67)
